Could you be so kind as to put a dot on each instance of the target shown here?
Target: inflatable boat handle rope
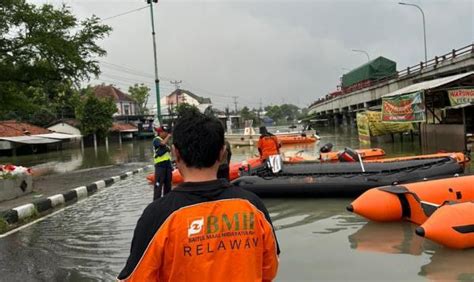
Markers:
(265, 173)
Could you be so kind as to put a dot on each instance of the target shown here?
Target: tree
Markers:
(44, 52)
(95, 114)
(246, 114)
(274, 112)
(289, 111)
(140, 93)
(210, 111)
(303, 113)
(185, 108)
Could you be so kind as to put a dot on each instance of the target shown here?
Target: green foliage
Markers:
(140, 93)
(3, 225)
(209, 111)
(185, 108)
(44, 52)
(283, 114)
(246, 114)
(95, 114)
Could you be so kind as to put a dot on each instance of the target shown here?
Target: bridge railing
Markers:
(409, 71)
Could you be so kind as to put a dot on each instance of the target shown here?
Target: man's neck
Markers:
(198, 175)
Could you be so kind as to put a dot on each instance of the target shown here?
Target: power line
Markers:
(124, 13)
(235, 102)
(176, 83)
(124, 68)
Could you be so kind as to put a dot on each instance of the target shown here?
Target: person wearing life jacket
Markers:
(205, 229)
(162, 161)
(268, 144)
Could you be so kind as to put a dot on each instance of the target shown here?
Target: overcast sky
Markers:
(270, 51)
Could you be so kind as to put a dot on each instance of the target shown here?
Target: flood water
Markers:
(319, 240)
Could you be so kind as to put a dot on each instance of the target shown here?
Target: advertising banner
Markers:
(363, 128)
(403, 108)
(379, 128)
(461, 96)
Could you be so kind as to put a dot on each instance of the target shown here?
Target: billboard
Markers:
(403, 108)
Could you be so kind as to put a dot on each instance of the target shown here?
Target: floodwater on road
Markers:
(319, 240)
(90, 241)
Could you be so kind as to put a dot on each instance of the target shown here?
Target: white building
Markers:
(180, 96)
(126, 106)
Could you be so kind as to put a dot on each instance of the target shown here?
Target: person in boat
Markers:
(268, 144)
(162, 161)
(223, 171)
(205, 229)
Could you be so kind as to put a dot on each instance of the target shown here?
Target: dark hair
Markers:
(199, 139)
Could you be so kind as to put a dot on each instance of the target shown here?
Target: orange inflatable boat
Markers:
(458, 156)
(295, 139)
(414, 202)
(451, 225)
(366, 154)
(233, 171)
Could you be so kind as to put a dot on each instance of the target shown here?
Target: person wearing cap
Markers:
(268, 144)
(162, 161)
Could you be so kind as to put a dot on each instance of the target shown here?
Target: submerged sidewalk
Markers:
(48, 185)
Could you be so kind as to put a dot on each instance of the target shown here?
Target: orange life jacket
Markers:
(268, 146)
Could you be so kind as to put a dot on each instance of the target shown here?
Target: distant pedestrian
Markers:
(162, 161)
(205, 229)
(268, 144)
(224, 167)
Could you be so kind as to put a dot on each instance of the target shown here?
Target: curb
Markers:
(17, 214)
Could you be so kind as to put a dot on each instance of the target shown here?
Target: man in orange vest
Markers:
(205, 229)
(268, 144)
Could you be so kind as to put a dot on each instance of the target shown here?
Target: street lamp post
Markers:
(424, 25)
(157, 80)
(362, 51)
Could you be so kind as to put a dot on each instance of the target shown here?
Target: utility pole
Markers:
(259, 110)
(157, 80)
(176, 84)
(363, 52)
(235, 103)
(424, 24)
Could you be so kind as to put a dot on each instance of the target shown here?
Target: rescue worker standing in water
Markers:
(162, 161)
(205, 229)
(268, 144)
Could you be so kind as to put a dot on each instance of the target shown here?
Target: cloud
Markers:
(273, 51)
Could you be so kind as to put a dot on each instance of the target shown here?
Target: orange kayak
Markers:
(451, 225)
(291, 139)
(234, 169)
(366, 154)
(414, 202)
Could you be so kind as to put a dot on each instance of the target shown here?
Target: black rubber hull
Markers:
(302, 182)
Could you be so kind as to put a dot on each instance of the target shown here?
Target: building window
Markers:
(126, 109)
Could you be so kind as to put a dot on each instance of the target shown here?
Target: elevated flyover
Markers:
(342, 109)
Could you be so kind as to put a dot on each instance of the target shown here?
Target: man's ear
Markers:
(176, 154)
(222, 153)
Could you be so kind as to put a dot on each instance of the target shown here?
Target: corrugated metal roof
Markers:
(458, 106)
(426, 85)
(59, 136)
(32, 140)
(11, 128)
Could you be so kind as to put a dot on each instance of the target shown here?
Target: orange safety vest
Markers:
(268, 146)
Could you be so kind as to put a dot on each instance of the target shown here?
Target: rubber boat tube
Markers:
(451, 225)
(414, 202)
(334, 180)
